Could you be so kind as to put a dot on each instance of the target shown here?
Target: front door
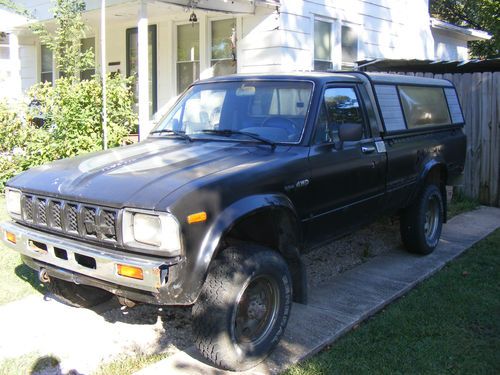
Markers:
(347, 178)
(133, 65)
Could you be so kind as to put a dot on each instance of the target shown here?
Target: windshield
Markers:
(272, 110)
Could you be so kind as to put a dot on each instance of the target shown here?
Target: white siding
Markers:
(387, 28)
(27, 54)
(449, 47)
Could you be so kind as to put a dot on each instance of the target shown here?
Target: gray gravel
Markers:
(82, 339)
(339, 256)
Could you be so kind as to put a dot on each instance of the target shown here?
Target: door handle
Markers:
(367, 149)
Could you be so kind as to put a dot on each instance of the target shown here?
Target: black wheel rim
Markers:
(256, 311)
(432, 218)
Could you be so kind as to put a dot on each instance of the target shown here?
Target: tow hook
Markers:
(126, 302)
(43, 276)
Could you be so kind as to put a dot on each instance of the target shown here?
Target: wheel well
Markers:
(438, 175)
(277, 229)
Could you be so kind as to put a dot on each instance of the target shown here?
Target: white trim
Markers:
(465, 33)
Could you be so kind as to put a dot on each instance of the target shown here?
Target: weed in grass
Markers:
(460, 203)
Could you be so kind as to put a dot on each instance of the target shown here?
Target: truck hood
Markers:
(139, 175)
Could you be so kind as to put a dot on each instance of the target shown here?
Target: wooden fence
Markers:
(480, 99)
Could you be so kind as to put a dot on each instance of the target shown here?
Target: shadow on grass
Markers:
(30, 276)
(49, 365)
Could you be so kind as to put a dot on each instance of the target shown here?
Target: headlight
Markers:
(13, 201)
(158, 232)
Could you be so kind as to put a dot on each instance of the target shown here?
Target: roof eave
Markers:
(465, 33)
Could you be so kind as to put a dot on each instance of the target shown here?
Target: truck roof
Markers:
(349, 76)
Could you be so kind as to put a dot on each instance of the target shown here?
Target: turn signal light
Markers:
(130, 271)
(198, 217)
(11, 237)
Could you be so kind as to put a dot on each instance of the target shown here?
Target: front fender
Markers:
(190, 275)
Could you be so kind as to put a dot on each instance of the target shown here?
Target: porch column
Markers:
(143, 70)
(15, 77)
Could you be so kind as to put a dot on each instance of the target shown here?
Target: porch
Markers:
(164, 44)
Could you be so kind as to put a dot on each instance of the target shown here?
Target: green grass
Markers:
(34, 362)
(128, 364)
(16, 279)
(30, 363)
(460, 204)
(448, 325)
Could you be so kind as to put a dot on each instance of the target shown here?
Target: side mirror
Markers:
(350, 132)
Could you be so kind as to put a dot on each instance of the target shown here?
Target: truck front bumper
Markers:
(83, 263)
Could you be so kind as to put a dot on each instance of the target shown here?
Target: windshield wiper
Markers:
(177, 133)
(229, 132)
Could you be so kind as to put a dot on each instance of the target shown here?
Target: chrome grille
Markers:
(28, 207)
(55, 212)
(73, 218)
(41, 208)
(109, 218)
(89, 221)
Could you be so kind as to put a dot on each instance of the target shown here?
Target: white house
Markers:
(170, 43)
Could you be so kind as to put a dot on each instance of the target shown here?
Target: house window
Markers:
(87, 44)
(223, 48)
(46, 66)
(4, 46)
(133, 64)
(322, 45)
(335, 45)
(349, 42)
(188, 55)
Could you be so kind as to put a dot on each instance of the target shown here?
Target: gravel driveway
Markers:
(82, 339)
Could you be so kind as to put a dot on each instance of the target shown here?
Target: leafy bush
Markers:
(72, 124)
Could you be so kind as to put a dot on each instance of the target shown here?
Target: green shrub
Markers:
(72, 122)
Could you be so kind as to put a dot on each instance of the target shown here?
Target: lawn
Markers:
(16, 279)
(448, 324)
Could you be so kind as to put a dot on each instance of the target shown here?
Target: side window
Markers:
(340, 106)
(424, 106)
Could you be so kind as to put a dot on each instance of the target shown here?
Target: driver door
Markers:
(347, 178)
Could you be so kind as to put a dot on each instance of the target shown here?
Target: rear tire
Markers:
(422, 222)
(243, 308)
(77, 295)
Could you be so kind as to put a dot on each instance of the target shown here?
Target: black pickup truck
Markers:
(242, 175)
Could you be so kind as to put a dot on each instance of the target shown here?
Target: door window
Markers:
(133, 64)
(188, 55)
(322, 45)
(340, 106)
(46, 68)
(223, 47)
(349, 41)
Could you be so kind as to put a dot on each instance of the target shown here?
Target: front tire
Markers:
(422, 222)
(77, 295)
(243, 308)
